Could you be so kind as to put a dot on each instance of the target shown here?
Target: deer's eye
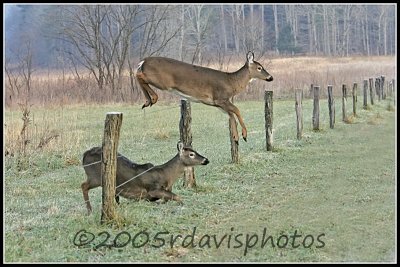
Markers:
(259, 68)
(192, 155)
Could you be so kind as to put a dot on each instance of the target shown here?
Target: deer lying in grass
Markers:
(126, 169)
(153, 182)
(199, 84)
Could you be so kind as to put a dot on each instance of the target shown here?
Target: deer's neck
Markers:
(172, 170)
(240, 78)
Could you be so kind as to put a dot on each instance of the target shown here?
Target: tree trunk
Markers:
(276, 28)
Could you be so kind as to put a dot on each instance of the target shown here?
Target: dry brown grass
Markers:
(301, 72)
(50, 89)
(349, 119)
(30, 133)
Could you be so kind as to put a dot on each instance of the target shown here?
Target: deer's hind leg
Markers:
(85, 190)
(151, 96)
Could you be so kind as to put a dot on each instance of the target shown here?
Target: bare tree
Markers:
(20, 77)
(83, 31)
(262, 28)
(182, 32)
(198, 18)
(236, 15)
(116, 34)
(276, 27)
(223, 28)
(13, 84)
(155, 29)
(326, 34)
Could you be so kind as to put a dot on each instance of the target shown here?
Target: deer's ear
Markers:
(250, 57)
(179, 146)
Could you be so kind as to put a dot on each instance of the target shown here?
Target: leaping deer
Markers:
(199, 84)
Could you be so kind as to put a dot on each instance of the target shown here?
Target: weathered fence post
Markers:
(185, 132)
(315, 117)
(331, 106)
(344, 100)
(389, 88)
(109, 165)
(354, 94)
(378, 88)
(371, 91)
(234, 144)
(268, 119)
(299, 112)
(383, 88)
(394, 92)
(365, 103)
(311, 92)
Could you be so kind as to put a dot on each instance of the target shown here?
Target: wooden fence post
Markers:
(378, 88)
(185, 132)
(383, 88)
(344, 100)
(234, 144)
(109, 165)
(299, 112)
(315, 117)
(311, 93)
(331, 106)
(354, 94)
(268, 119)
(371, 91)
(394, 91)
(365, 103)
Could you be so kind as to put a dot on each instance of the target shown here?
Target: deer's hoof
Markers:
(244, 134)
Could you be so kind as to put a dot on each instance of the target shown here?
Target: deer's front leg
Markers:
(164, 194)
(233, 127)
(135, 193)
(232, 109)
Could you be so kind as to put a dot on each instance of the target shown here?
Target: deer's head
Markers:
(256, 70)
(189, 157)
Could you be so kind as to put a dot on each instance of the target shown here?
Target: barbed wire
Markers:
(155, 111)
(97, 162)
(117, 164)
(252, 119)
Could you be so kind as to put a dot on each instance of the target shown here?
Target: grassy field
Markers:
(329, 197)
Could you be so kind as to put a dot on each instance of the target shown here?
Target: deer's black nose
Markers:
(205, 162)
(269, 79)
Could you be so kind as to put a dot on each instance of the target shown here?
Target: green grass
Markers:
(338, 184)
